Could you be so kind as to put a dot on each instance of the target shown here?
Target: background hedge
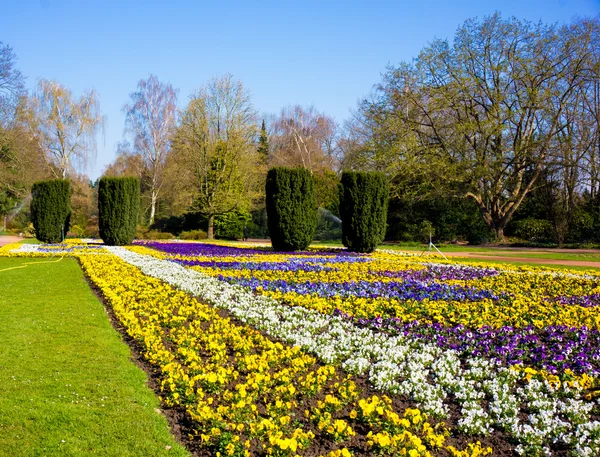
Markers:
(291, 208)
(363, 209)
(118, 209)
(51, 209)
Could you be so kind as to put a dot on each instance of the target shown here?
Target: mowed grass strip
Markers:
(67, 384)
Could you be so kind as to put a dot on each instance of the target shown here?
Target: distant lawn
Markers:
(411, 246)
(67, 385)
(517, 264)
(30, 241)
(584, 256)
(416, 248)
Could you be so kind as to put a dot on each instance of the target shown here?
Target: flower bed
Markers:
(515, 355)
(249, 395)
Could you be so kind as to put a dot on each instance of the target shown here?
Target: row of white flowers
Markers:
(489, 395)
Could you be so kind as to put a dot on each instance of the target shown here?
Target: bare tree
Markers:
(588, 120)
(150, 120)
(303, 137)
(126, 163)
(12, 85)
(215, 143)
(66, 129)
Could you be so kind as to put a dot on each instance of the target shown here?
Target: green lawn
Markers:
(584, 256)
(486, 251)
(410, 246)
(517, 264)
(420, 247)
(67, 384)
(30, 241)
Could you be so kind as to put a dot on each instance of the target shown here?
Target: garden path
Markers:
(6, 239)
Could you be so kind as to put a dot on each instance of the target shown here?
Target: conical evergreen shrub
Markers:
(118, 209)
(291, 208)
(51, 209)
(363, 209)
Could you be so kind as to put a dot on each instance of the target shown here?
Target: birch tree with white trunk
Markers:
(65, 128)
(150, 121)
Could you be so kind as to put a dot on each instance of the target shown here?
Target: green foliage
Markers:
(581, 228)
(258, 226)
(156, 235)
(449, 219)
(532, 229)
(118, 209)
(171, 224)
(263, 144)
(193, 235)
(91, 228)
(363, 209)
(291, 208)
(329, 226)
(51, 209)
(230, 226)
(327, 190)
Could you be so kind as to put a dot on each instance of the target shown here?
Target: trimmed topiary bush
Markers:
(291, 208)
(363, 209)
(118, 209)
(51, 209)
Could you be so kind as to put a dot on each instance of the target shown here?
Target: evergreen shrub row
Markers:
(292, 209)
(290, 204)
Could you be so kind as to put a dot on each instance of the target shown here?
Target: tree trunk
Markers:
(491, 219)
(152, 206)
(211, 227)
(499, 229)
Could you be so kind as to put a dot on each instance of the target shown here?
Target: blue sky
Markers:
(325, 53)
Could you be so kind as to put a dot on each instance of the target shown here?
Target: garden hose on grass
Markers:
(32, 263)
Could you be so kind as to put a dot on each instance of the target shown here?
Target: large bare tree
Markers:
(150, 121)
(303, 137)
(215, 143)
(65, 128)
